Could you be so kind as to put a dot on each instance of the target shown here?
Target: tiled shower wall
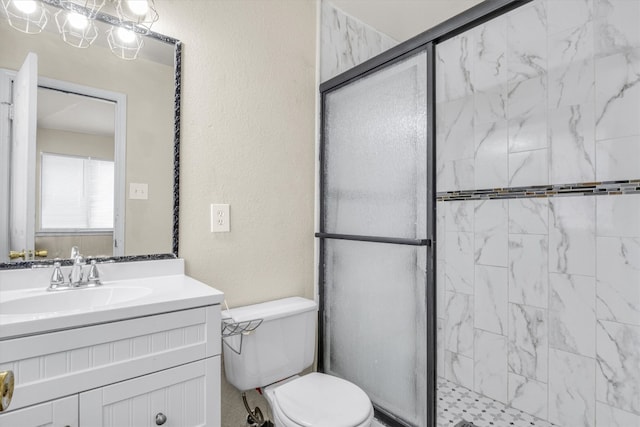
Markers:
(548, 93)
(539, 297)
(346, 42)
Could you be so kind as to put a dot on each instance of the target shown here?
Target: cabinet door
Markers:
(185, 396)
(57, 413)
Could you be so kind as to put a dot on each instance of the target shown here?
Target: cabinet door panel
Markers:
(52, 365)
(58, 413)
(188, 395)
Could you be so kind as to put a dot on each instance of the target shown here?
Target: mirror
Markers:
(140, 99)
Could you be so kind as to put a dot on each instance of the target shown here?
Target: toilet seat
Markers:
(319, 400)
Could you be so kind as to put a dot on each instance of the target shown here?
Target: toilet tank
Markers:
(283, 345)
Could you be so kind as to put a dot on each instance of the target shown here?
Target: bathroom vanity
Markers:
(143, 349)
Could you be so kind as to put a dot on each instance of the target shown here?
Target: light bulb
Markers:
(126, 36)
(25, 6)
(77, 20)
(138, 7)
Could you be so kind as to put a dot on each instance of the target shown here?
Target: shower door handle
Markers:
(375, 239)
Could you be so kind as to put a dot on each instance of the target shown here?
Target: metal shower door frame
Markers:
(426, 41)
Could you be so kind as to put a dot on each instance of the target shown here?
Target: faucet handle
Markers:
(57, 278)
(93, 278)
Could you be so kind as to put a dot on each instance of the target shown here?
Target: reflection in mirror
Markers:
(149, 127)
(75, 165)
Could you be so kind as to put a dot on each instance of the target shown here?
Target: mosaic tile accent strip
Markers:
(579, 189)
(457, 404)
(42, 263)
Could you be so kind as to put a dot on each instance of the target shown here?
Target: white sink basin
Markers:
(72, 300)
(134, 289)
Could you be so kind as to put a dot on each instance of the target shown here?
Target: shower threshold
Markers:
(461, 407)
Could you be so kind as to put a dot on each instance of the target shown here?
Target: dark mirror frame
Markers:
(177, 65)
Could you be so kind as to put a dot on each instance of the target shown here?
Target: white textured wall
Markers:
(248, 139)
(248, 106)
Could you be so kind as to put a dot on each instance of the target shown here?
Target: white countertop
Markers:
(143, 296)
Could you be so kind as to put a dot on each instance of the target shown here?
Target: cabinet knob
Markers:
(6, 389)
(161, 418)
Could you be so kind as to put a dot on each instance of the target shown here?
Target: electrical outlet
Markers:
(220, 220)
(138, 191)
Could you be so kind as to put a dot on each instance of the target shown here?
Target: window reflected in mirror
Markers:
(76, 195)
(75, 183)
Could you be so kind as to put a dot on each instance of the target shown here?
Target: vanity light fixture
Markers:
(124, 43)
(76, 21)
(139, 13)
(28, 16)
(26, 6)
(88, 8)
(76, 29)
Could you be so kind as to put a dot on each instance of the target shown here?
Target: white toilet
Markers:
(275, 352)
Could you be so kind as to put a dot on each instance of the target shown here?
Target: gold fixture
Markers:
(15, 254)
(28, 254)
(6, 389)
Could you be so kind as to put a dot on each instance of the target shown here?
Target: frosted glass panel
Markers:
(375, 322)
(375, 153)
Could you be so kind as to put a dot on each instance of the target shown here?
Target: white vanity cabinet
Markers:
(58, 413)
(121, 373)
(180, 397)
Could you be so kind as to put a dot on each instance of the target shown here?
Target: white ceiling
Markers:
(75, 113)
(402, 19)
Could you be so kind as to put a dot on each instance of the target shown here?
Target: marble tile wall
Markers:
(539, 297)
(548, 93)
(540, 304)
(346, 42)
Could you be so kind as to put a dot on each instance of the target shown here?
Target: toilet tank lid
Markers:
(271, 310)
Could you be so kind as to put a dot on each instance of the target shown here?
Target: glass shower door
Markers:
(373, 230)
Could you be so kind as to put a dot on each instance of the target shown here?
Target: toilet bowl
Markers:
(318, 400)
(272, 355)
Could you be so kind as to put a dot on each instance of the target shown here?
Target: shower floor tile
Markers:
(456, 403)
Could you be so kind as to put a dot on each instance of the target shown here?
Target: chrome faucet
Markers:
(76, 275)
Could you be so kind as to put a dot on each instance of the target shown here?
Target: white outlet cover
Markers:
(220, 219)
(138, 191)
